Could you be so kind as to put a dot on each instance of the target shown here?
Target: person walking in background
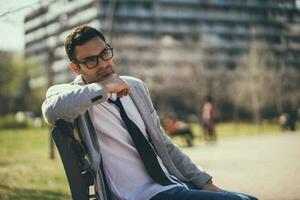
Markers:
(121, 129)
(208, 115)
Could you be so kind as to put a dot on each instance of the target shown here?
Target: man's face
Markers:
(85, 53)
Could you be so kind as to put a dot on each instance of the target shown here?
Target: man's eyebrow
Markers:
(88, 57)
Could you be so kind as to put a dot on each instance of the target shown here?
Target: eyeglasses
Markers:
(92, 61)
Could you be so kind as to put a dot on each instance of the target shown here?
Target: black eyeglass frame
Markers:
(107, 48)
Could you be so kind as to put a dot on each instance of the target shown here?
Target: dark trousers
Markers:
(181, 193)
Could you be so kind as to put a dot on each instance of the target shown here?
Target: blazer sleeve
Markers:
(192, 173)
(68, 101)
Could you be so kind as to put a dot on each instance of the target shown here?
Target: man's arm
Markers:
(68, 101)
(183, 163)
(194, 174)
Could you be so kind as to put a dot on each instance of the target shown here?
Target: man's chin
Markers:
(103, 76)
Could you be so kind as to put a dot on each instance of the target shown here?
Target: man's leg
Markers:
(181, 193)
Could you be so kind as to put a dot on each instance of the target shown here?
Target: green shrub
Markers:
(10, 122)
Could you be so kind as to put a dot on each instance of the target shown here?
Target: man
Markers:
(114, 116)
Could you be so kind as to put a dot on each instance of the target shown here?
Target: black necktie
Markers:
(144, 148)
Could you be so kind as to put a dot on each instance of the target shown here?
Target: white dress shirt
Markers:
(125, 172)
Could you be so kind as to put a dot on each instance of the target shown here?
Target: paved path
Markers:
(266, 166)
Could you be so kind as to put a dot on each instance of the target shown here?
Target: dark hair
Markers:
(79, 36)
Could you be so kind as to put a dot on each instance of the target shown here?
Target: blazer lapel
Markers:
(140, 100)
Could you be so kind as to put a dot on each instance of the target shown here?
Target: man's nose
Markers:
(102, 64)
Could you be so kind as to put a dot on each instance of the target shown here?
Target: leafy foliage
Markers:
(15, 92)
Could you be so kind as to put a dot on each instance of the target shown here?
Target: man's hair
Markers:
(79, 36)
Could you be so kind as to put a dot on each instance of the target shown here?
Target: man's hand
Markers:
(114, 84)
(211, 187)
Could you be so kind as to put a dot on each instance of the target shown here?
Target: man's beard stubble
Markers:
(101, 75)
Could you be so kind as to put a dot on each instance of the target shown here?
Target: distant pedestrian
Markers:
(208, 115)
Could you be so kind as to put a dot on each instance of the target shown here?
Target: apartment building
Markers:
(158, 38)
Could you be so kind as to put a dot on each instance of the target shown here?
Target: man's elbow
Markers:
(53, 113)
(49, 114)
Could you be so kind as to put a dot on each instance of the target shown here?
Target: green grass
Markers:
(229, 129)
(26, 172)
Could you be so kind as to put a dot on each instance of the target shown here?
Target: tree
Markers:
(255, 80)
(15, 91)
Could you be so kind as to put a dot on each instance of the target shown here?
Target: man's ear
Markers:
(75, 68)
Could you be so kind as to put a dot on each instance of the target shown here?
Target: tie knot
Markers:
(117, 102)
(109, 100)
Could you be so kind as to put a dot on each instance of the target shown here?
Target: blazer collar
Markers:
(78, 80)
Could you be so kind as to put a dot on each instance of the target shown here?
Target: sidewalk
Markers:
(266, 166)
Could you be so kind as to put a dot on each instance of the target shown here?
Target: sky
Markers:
(12, 13)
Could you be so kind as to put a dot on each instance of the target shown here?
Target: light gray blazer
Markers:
(73, 102)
